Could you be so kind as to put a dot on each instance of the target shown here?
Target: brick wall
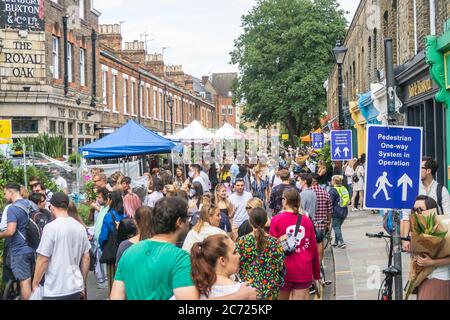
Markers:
(80, 38)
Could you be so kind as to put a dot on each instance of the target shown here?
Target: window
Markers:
(113, 93)
(80, 128)
(55, 57)
(160, 106)
(105, 87)
(82, 9)
(141, 100)
(82, 67)
(24, 126)
(125, 97)
(70, 128)
(69, 62)
(87, 129)
(148, 98)
(61, 127)
(133, 107)
(224, 110)
(154, 103)
(230, 110)
(52, 126)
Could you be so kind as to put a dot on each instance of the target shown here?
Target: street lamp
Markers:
(170, 104)
(339, 53)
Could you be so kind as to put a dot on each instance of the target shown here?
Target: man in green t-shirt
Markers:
(156, 269)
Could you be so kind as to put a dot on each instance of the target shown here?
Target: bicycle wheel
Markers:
(327, 240)
(12, 291)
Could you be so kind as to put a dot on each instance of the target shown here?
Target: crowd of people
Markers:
(240, 232)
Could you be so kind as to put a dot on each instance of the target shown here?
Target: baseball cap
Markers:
(60, 200)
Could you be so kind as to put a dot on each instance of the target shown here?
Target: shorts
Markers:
(22, 266)
(288, 285)
(320, 235)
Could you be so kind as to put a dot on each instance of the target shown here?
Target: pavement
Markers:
(358, 268)
(93, 292)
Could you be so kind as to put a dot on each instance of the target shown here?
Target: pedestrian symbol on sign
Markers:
(381, 185)
(337, 153)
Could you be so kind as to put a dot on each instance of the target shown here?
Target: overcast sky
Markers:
(198, 34)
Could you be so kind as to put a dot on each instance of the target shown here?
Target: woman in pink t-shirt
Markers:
(302, 266)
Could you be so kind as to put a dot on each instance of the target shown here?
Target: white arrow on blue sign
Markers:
(394, 157)
(341, 145)
(318, 140)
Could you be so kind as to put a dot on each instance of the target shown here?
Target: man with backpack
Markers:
(431, 188)
(21, 258)
(322, 218)
(340, 199)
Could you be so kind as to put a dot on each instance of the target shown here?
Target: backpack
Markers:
(344, 196)
(440, 187)
(32, 231)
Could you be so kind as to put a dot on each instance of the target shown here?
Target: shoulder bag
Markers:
(110, 249)
(289, 241)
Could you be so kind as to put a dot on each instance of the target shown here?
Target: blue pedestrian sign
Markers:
(318, 140)
(394, 157)
(341, 145)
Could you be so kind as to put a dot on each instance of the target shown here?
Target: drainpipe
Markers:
(415, 26)
(182, 111)
(94, 68)
(139, 97)
(433, 17)
(66, 65)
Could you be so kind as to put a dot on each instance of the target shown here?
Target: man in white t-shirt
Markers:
(195, 174)
(63, 255)
(239, 201)
(58, 180)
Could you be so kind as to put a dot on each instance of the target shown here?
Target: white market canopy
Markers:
(229, 132)
(193, 132)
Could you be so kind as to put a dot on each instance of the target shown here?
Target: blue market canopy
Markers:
(130, 140)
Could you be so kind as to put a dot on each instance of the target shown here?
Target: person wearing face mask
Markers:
(157, 194)
(195, 196)
(195, 175)
(308, 196)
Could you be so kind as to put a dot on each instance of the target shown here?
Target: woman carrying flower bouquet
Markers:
(437, 284)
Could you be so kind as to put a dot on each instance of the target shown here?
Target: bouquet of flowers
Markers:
(430, 237)
(91, 195)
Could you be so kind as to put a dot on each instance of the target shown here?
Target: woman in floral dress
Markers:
(261, 258)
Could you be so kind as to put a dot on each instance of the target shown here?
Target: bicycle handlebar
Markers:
(381, 235)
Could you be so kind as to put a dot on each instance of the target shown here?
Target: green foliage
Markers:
(73, 158)
(90, 191)
(284, 57)
(9, 173)
(426, 224)
(83, 211)
(325, 155)
(52, 146)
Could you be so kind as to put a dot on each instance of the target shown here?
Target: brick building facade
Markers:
(136, 85)
(38, 91)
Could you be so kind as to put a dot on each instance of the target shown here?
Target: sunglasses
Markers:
(418, 210)
(248, 208)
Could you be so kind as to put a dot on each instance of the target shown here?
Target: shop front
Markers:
(438, 59)
(360, 127)
(422, 110)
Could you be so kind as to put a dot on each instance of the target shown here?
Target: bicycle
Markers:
(385, 291)
(12, 288)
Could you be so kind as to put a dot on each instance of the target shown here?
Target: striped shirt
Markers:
(323, 208)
